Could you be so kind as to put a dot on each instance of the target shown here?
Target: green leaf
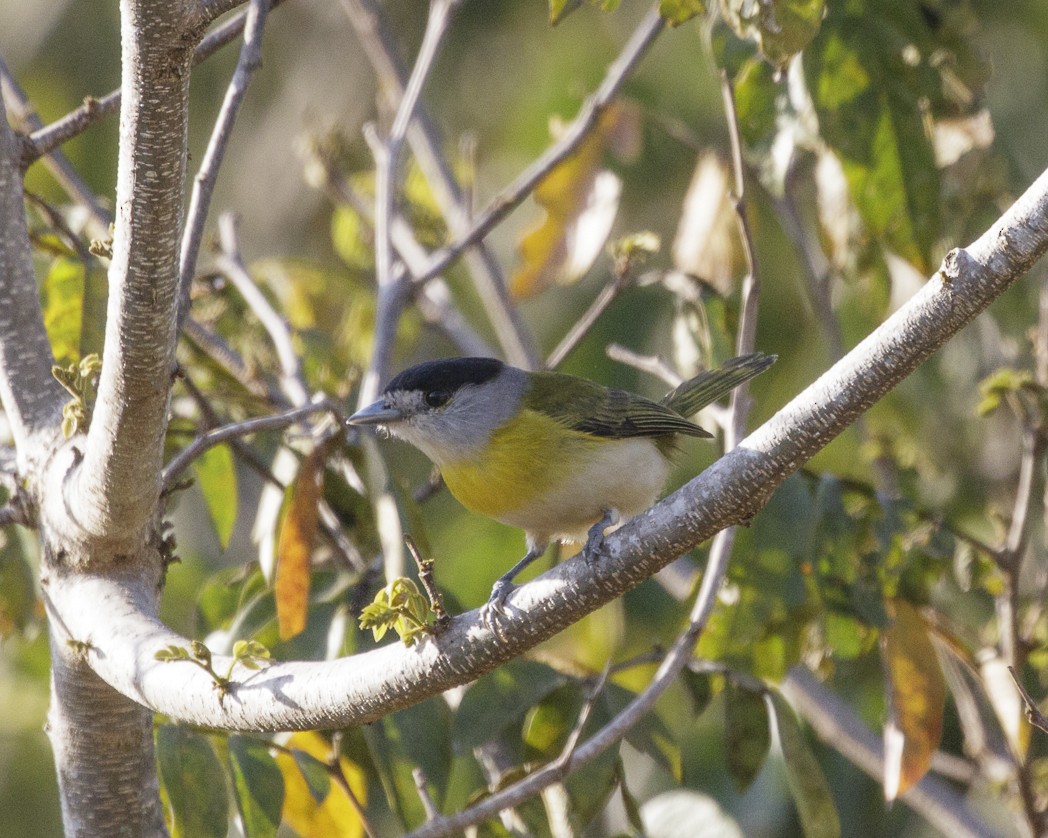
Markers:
(807, 783)
(548, 724)
(650, 735)
(417, 736)
(217, 477)
(868, 101)
(699, 688)
(258, 786)
(62, 301)
(315, 773)
(756, 96)
(1001, 384)
(747, 733)
(675, 12)
(17, 594)
(560, 9)
(422, 734)
(781, 28)
(193, 783)
(501, 698)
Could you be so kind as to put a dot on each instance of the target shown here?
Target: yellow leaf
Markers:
(580, 201)
(295, 546)
(335, 816)
(916, 698)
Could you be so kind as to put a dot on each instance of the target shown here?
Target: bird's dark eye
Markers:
(436, 398)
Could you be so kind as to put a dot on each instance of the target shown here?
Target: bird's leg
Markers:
(595, 537)
(504, 585)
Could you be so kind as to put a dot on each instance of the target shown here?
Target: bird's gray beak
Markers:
(375, 414)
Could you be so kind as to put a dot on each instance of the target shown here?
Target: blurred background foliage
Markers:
(896, 511)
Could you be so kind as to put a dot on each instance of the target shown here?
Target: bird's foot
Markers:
(496, 607)
(594, 547)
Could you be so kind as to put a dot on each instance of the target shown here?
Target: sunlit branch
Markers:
(204, 183)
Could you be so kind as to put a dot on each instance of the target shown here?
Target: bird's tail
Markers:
(695, 393)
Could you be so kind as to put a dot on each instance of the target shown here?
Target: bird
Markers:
(561, 457)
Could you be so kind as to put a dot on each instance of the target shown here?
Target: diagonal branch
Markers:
(115, 615)
(74, 123)
(566, 145)
(30, 396)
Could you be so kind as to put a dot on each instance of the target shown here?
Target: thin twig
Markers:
(507, 200)
(368, 19)
(582, 326)
(428, 806)
(432, 299)
(1033, 713)
(333, 767)
(56, 161)
(204, 183)
(211, 344)
(234, 430)
(425, 576)
(231, 264)
(652, 364)
(751, 285)
(393, 291)
(572, 742)
(212, 420)
(74, 123)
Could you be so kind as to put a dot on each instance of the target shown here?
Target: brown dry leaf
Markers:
(580, 200)
(707, 243)
(295, 546)
(916, 698)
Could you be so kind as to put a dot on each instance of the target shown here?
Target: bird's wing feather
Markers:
(695, 393)
(599, 411)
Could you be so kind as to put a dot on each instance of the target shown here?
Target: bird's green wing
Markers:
(599, 411)
(695, 393)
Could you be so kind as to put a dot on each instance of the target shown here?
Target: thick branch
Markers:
(119, 483)
(367, 686)
(31, 397)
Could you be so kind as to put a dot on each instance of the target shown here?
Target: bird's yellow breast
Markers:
(555, 482)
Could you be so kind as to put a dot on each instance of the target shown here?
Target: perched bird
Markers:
(560, 457)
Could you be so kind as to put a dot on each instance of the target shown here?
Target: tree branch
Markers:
(364, 687)
(392, 285)
(204, 183)
(379, 45)
(620, 70)
(30, 395)
(74, 123)
(56, 161)
(118, 484)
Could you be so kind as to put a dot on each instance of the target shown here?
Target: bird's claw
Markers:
(594, 546)
(495, 607)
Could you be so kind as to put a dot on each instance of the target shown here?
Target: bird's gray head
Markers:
(448, 409)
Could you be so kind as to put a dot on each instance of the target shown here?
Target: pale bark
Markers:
(31, 397)
(99, 497)
(113, 495)
(365, 687)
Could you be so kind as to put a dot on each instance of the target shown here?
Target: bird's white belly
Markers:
(622, 475)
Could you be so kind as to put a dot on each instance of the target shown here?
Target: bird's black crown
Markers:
(445, 376)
